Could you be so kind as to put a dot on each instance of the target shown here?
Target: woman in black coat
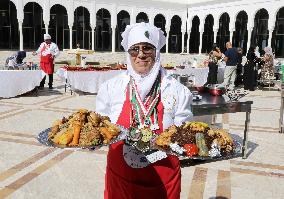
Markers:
(214, 57)
(249, 70)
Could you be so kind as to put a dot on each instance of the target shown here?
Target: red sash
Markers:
(159, 180)
(46, 62)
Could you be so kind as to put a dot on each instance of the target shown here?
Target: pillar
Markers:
(46, 28)
(231, 35)
(200, 43)
(167, 41)
(249, 37)
(187, 43)
(113, 39)
(70, 36)
(21, 35)
(215, 36)
(93, 38)
(182, 42)
(270, 37)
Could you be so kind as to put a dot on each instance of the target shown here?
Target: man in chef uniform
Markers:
(47, 51)
(145, 95)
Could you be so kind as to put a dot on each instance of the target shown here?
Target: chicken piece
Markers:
(164, 139)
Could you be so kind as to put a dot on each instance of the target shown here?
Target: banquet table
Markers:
(86, 81)
(210, 105)
(200, 74)
(90, 81)
(17, 82)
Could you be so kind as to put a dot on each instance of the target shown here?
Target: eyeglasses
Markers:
(147, 50)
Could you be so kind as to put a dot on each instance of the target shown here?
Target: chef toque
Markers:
(143, 32)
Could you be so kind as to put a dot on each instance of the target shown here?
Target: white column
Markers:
(182, 42)
(200, 43)
(46, 28)
(187, 43)
(215, 36)
(21, 35)
(249, 37)
(167, 41)
(231, 35)
(270, 37)
(70, 36)
(93, 38)
(113, 39)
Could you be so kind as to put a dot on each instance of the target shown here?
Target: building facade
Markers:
(98, 24)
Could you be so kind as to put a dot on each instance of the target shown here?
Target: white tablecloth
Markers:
(17, 82)
(90, 81)
(87, 81)
(200, 74)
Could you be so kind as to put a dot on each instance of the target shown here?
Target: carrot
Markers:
(76, 132)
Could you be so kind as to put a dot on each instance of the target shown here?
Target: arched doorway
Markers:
(208, 35)
(33, 25)
(142, 17)
(223, 35)
(9, 34)
(241, 33)
(260, 31)
(194, 35)
(278, 36)
(160, 22)
(103, 30)
(175, 35)
(82, 33)
(123, 19)
(58, 26)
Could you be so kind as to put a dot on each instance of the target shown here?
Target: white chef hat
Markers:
(143, 32)
(46, 36)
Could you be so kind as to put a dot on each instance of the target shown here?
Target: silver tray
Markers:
(236, 153)
(43, 139)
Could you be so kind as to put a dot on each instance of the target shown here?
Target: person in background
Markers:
(214, 56)
(15, 61)
(257, 53)
(145, 85)
(239, 72)
(249, 70)
(47, 51)
(231, 59)
(267, 69)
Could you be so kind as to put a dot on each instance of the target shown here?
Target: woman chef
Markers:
(143, 96)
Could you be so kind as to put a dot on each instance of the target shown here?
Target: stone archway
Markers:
(58, 26)
(82, 32)
(241, 33)
(123, 19)
(260, 31)
(223, 35)
(33, 25)
(9, 34)
(160, 22)
(208, 35)
(103, 30)
(142, 17)
(175, 35)
(194, 35)
(278, 36)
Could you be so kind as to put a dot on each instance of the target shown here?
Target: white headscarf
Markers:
(268, 50)
(46, 36)
(143, 32)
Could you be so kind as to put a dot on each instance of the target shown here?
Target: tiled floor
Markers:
(30, 170)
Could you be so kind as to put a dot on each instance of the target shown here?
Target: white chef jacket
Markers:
(52, 49)
(176, 99)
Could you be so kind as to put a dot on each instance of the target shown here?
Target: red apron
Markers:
(46, 62)
(159, 180)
